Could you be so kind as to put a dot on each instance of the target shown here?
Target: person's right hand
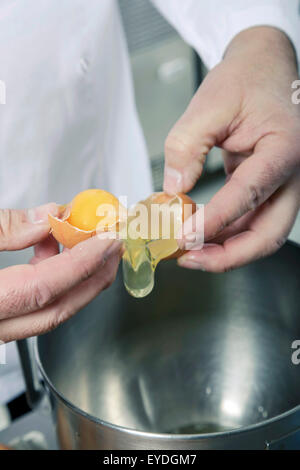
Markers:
(244, 107)
(37, 297)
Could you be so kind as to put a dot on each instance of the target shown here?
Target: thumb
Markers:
(22, 228)
(205, 123)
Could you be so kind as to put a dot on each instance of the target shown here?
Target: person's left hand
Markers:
(243, 106)
(37, 297)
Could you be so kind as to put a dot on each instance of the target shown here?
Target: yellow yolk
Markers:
(92, 207)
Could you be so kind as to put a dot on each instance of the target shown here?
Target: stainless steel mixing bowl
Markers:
(202, 362)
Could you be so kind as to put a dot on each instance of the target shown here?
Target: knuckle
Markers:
(41, 295)
(253, 193)
(107, 282)
(109, 279)
(220, 219)
(55, 318)
(59, 314)
(23, 301)
(277, 243)
(11, 301)
(254, 197)
(63, 313)
(271, 245)
(49, 325)
(86, 269)
(178, 148)
(272, 169)
(221, 222)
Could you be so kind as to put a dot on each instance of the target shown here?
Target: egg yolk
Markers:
(92, 207)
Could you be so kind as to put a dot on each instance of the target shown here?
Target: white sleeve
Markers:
(209, 26)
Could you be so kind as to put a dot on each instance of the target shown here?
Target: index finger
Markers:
(27, 288)
(251, 184)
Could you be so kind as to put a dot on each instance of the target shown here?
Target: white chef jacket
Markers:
(69, 122)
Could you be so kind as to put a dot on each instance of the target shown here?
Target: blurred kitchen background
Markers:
(166, 73)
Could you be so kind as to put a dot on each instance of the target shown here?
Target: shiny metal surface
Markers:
(202, 354)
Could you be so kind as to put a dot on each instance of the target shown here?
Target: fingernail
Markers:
(172, 180)
(39, 215)
(183, 239)
(191, 237)
(188, 261)
(192, 241)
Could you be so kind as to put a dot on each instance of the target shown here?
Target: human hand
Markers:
(37, 297)
(244, 107)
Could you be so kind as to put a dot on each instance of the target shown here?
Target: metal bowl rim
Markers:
(153, 435)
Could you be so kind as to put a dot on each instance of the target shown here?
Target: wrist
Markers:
(263, 45)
